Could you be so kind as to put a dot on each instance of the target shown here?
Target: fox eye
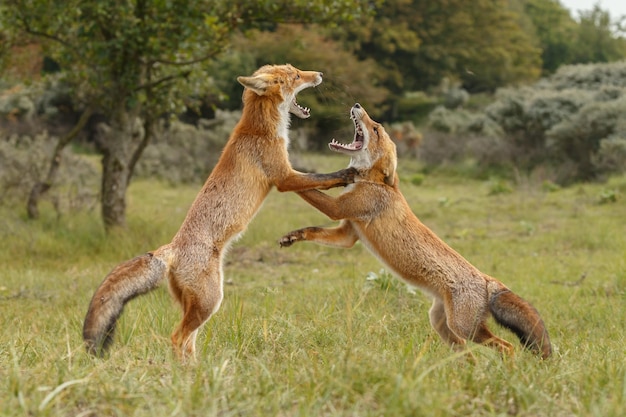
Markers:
(376, 130)
(297, 76)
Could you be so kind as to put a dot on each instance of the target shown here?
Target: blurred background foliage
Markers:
(484, 88)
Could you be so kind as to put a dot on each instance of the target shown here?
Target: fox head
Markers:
(283, 83)
(372, 151)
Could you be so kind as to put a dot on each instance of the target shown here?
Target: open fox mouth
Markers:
(357, 142)
(298, 110)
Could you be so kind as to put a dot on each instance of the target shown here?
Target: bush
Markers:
(526, 114)
(24, 160)
(441, 148)
(44, 102)
(445, 120)
(572, 122)
(456, 136)
(580, 139)
(406, 137)
(463, 122)
(182, 153)
(476, 155)
(414, 106)
(592, 77)
(611, 157)
(455, 98)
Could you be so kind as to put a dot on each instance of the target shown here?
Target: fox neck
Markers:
(284, 122)
(361, 161)
(266, 116)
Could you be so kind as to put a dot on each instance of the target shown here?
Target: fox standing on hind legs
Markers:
(253, 161)
(374, 210)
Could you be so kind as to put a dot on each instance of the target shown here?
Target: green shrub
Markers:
(579, 139)
(549, 186)
(572, 122)
(418, 179)
(455, 98)
(446, 120)
(525, 114)
(415, 106)
(24, 160)
(183, 153)
(611, 157)
(406, 137)
(592, 77)
(47, 100)
(608, 196)
(440, 148)
(499, 186)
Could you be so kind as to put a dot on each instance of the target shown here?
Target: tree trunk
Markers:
(124, 141)
(41, 187)
(114, 185)
(116, 140)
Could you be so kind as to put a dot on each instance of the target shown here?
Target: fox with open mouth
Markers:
(254, 160)
(374, 211)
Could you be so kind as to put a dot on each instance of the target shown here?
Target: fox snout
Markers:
(358, 112)
(316, 78)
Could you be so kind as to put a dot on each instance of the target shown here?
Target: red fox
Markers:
(374, 210)
(254, 160)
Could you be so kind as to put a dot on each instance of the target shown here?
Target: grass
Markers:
(310, 331)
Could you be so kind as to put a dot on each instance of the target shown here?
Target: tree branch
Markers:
(27, 28)
(163, 80)
(41, 187)
(206, 57)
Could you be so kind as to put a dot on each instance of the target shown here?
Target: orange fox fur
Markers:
(374, 210)
(253, 161)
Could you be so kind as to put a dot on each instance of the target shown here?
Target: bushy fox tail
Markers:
(125, 282)
(516, 314)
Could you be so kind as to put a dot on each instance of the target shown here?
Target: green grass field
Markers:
(312, 331)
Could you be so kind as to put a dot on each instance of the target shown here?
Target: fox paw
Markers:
(348, 175)
(289, 239)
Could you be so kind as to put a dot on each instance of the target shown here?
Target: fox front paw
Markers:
(348, 175)
(290, 238)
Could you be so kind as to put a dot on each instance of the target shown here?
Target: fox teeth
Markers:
(348, 146)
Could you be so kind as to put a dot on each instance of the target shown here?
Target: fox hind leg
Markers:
(467, 321)
(438, 321)
(200, 299)
(484, 336)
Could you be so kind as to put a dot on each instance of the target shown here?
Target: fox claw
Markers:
(287, 240)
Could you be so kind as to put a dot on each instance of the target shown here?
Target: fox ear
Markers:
(256, 83)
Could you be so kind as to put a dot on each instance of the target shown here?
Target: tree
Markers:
(135, 60)
(418, 42)
(555, 30)
(389, 38)
(346, 79)
(596, 39)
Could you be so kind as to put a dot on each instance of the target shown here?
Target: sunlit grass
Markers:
(302, 331)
